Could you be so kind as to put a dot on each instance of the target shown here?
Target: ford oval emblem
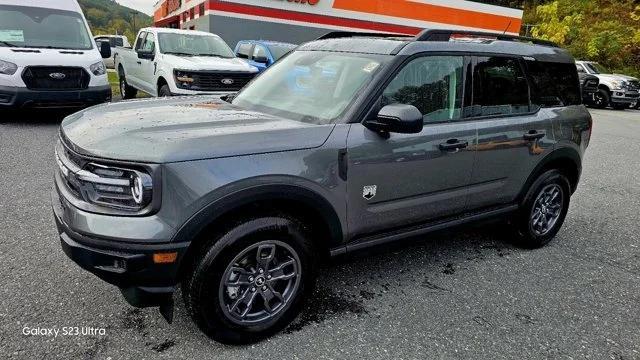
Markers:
(227, 81)
(57, 76)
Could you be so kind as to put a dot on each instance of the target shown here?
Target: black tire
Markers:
(601, 99)
(164, 91)
(530, 235)
(209, 301)
(126, 91)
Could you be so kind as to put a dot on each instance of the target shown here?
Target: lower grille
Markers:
(55, 78)
(219, 81)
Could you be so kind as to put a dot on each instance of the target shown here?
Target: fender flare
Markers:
(259, 193)
(564, 153)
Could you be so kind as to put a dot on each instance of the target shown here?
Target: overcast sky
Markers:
(146, 6)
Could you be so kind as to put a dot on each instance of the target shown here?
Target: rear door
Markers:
(407, 179)
(512, 133)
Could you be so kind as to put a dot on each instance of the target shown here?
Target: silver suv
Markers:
(348, 142)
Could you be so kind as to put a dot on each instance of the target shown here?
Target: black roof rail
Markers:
(347, 34)
(445, 35)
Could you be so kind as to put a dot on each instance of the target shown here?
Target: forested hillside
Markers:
(109, 17)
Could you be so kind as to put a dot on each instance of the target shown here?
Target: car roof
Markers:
(177, 31)
(471, 43)
(68, 5)
(268, 42)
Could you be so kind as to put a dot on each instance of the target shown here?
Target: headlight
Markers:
(183, 79)
(98, 68)
(123, 189)
(8, 68)
(618, 84)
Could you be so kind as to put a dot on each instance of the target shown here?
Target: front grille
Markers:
(219, 81)
(634, 85)
(55, 78)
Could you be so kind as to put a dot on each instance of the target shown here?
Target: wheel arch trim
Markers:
(561, 154)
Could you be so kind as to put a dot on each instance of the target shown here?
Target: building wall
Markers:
(232, 31)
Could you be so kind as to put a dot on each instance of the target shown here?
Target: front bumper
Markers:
(624, 96)
(20, 98)
(129, 266)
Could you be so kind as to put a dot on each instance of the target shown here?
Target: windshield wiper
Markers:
(214, 55)
(178, 53)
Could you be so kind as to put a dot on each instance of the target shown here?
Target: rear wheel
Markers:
(544, 210)
(252, 281)
(601, 99)
(126, 91)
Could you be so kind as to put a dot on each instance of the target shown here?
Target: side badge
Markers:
(369, 191)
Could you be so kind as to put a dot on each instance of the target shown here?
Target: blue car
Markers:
(262, 53)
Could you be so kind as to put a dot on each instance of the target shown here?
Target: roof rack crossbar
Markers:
(348, 34)
(445, 35)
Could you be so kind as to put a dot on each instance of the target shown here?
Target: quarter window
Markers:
(499, 88)
(432, 84)
(553, 84)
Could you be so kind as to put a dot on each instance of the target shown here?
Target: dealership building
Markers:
(297, 21)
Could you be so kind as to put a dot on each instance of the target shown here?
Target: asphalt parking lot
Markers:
(466, 295)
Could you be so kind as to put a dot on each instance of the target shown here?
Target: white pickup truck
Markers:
(166, 62)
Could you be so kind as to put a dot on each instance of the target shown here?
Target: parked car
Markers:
(47, 57)
(261, 53)
(113, 41)
(238, 198)
(184, 62)
(589, 85)
(615, 90)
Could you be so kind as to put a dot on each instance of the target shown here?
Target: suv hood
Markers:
(208, 63)
(182, 129)
(614, 77)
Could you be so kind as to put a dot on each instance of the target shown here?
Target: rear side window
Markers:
(244, 50)
(499, 88)
(117, 42)
(433, 84)
(553, 84)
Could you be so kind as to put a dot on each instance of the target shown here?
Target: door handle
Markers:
(453, 144)
(534, 135)
(139, 62)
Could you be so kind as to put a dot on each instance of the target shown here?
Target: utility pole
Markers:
(134, 21)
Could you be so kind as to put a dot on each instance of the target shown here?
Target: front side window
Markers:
(432, 84)
(149, 44)
(311, 86)
(140, 40)
(499, 88)
(193, 45)
(244, 50)
(553, 84)
(596, 68)
(34, 27)
(259, 52)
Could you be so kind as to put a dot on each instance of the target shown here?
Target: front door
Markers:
(407, 179)
(147, 67)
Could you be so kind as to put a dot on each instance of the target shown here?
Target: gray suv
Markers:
(348, 142)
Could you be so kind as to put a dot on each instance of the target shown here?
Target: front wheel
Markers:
(164, 91)
(252, 281)
(543, 211)
(601, 99)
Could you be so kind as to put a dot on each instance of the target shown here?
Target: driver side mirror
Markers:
(105, 49)
(147, 55)
(397, 118)
(261, 59)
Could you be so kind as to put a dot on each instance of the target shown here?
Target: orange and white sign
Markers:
(396, 16)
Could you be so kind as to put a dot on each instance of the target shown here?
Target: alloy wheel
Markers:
(546, 210)
(260, 283)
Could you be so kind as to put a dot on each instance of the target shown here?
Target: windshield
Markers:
(597, 68)
(279, 51)
(310, 86)
(193, 45)
(33, 27)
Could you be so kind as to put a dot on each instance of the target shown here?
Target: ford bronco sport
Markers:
(350, 141)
